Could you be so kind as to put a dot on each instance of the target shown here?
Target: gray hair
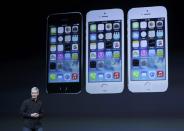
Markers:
(34, 89)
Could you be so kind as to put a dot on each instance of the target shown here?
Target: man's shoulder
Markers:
(40, 101)
(27, 100)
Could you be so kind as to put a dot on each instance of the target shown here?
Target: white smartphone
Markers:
(147, 49)
(105, 51)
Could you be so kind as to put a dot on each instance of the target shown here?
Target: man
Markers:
(32, 112)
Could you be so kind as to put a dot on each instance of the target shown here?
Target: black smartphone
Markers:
(64, 53)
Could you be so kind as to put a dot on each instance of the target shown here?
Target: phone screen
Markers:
(64, 52)
(148, 61)
(104, 51)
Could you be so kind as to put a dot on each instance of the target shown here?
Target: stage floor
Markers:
(98, 124)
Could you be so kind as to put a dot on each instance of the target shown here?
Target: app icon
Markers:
(143, 74)
(159, 24)
(135, 53)
(67, 76)
(160, 52)
(135, 25)
(92, 46)
(144, 43)
(160, 74)
(116, 62)
(135, 62)
(100, 27)
(92, 55)
(67, 56)
(60, 56)
(160, 43)
(116, 26)
(53, 39)
(160, 61)
(143, 34)
(52, 56)
(143, 62)
(116, 36)
(160, 33)
(67, 38)
(108, 36)
(53, 30)
(60, 47)
(116, 75)
(135, 43)
(135, 74)
(151, 24)
(52, 66)
(108, 75)
(53, 48)
(100, 36)
(116, 54)
(75, 29)
(151, 43)
(100, 45)
(108, 45)
(100, 64)
(60, 76)
(92, 37)
(59, 66)
(75, 56)
(93, 27)
(67, 29)
(151, 33)
(92, 64)
(135, 35)
(108, 54)
(100, 55)
(67, 47)
(92, 76)
(100, 76)
(116, 44)
(151, 52)
(60, 38)
(108, 26)
(152, 74)
(144, 53)
(74, 76)
(108, 64)
(74, 47)
(75, 38)
(52, 76)
(143, 24)
(60, 30)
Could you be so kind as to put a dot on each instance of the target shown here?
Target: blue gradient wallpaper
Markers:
(23, 65)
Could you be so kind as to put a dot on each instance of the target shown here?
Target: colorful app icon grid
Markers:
(64, 53)
(104, 51)
(148, 49)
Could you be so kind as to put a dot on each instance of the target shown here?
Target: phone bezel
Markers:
(105, 87)
(65, 87)
(147, 86)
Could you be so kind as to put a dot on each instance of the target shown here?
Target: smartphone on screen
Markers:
(105, 51)
(147, 49)
(64, 53)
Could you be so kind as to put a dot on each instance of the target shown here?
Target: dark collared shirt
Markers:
(28, 107)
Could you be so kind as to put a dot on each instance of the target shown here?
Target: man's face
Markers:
(34, 94)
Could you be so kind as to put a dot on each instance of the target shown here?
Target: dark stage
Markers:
(23, 66)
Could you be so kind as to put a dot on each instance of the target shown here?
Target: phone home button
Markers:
(103, 85)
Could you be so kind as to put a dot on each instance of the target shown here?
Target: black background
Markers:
(22, 55)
